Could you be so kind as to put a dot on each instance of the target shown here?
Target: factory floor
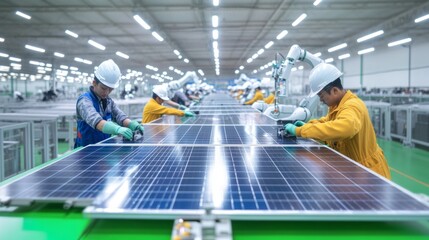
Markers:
(408, 166)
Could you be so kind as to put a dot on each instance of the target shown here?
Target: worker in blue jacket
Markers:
(98, 116)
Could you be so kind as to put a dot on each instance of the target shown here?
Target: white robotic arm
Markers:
(177, 84)
(282, 74)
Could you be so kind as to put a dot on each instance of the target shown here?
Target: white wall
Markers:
(388, 67)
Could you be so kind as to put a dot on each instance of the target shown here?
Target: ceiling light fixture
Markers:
(215, 34)
(317, 2)
(157, 36)
(96, 44)
(338, 47)
(269, 44)
(1, 39)
(23, 15)
(422, 18)
(344, 56)
(215, 3)
(122, 55)
(367, 50)
(15, 59)
(299, 20)
(215, 21)
(140, 21)
(68, 32)
(57, 54)
(281, 35)
(33, 48)
(369, 36)
(399, 42)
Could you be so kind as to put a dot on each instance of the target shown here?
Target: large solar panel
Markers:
(230, 118)
(211, 134)
(253, 183)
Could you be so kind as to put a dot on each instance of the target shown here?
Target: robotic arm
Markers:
(177, 84)
(282, 73)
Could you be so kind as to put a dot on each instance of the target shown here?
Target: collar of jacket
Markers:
(346, 97)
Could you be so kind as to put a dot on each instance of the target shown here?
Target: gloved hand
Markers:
(299, 123)
(112, 128)
(181, 107)
(189, 113)
(290, 128)
(134, 125)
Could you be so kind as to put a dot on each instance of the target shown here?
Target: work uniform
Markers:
(90, 110)
(269, 99)
(347, 128)
(153, 110)
(258, 96)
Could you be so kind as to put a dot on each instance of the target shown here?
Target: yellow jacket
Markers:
(347, 128)
(269, 99)
(153, 110)
(258, 96)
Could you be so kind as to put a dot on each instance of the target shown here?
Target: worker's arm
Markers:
(269, 99)
(161, 110)
(320, 120)
(258, 96)
(345, 126)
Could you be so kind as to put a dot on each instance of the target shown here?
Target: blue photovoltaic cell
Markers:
(237, 119)
(211, 134)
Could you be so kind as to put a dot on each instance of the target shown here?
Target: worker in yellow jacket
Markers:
(347, 127)
(154, 108)
(258, 96)
(270, 98)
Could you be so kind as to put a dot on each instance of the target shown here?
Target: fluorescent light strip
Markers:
(70, 33)
(249, 60)
(57, 54)
(176, 52)
(201, 72)
(15, 59)
(369, 36)
(215, 34)
(317, 54)
(96, 44)
(122, 55)
(261, 51)
(215, 21)
(4, 55)
(1, 39)
(344, 56)
(329, 60)
(338, 47)
(215, 3)
(317, 2)
(299, 20)
(367, 50)
(33, 48)
(215, 44)
(142, 23)
(399, 42)
(269, 44)
(422, 18)
(23, 15)
(186, 60)
(157, 36)
(282, 34)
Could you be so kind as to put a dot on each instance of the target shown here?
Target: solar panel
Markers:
(211, 134)
(257, 183)
(230, 118)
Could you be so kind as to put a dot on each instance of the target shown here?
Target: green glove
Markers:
(111, 128)
(189, 113)
(134, 125)
(299, 123)
(290, 128)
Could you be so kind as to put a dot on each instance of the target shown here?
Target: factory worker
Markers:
(257, 96)
(270, 98)
(154, 108)
(347, 127)
(97, 114)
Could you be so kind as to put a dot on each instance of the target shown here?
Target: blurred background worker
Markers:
(154, 108)
(270, 98)
(347, 127)
(97, 114)
(257, 96)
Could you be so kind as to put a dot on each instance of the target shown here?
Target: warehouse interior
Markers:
(222, 164)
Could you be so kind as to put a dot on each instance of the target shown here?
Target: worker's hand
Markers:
(114, 129)
(299, 123)
(125, 132)
(189, 113)
(134, 125)
(290, 128)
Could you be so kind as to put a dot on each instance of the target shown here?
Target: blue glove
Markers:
(189, 113)
(134, 125)
(299, 123)
(290, 128)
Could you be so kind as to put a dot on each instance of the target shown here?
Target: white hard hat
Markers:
(161, 91)
(321, 75)
(108, 73)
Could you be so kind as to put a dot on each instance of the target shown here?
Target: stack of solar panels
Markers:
(226, 161)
